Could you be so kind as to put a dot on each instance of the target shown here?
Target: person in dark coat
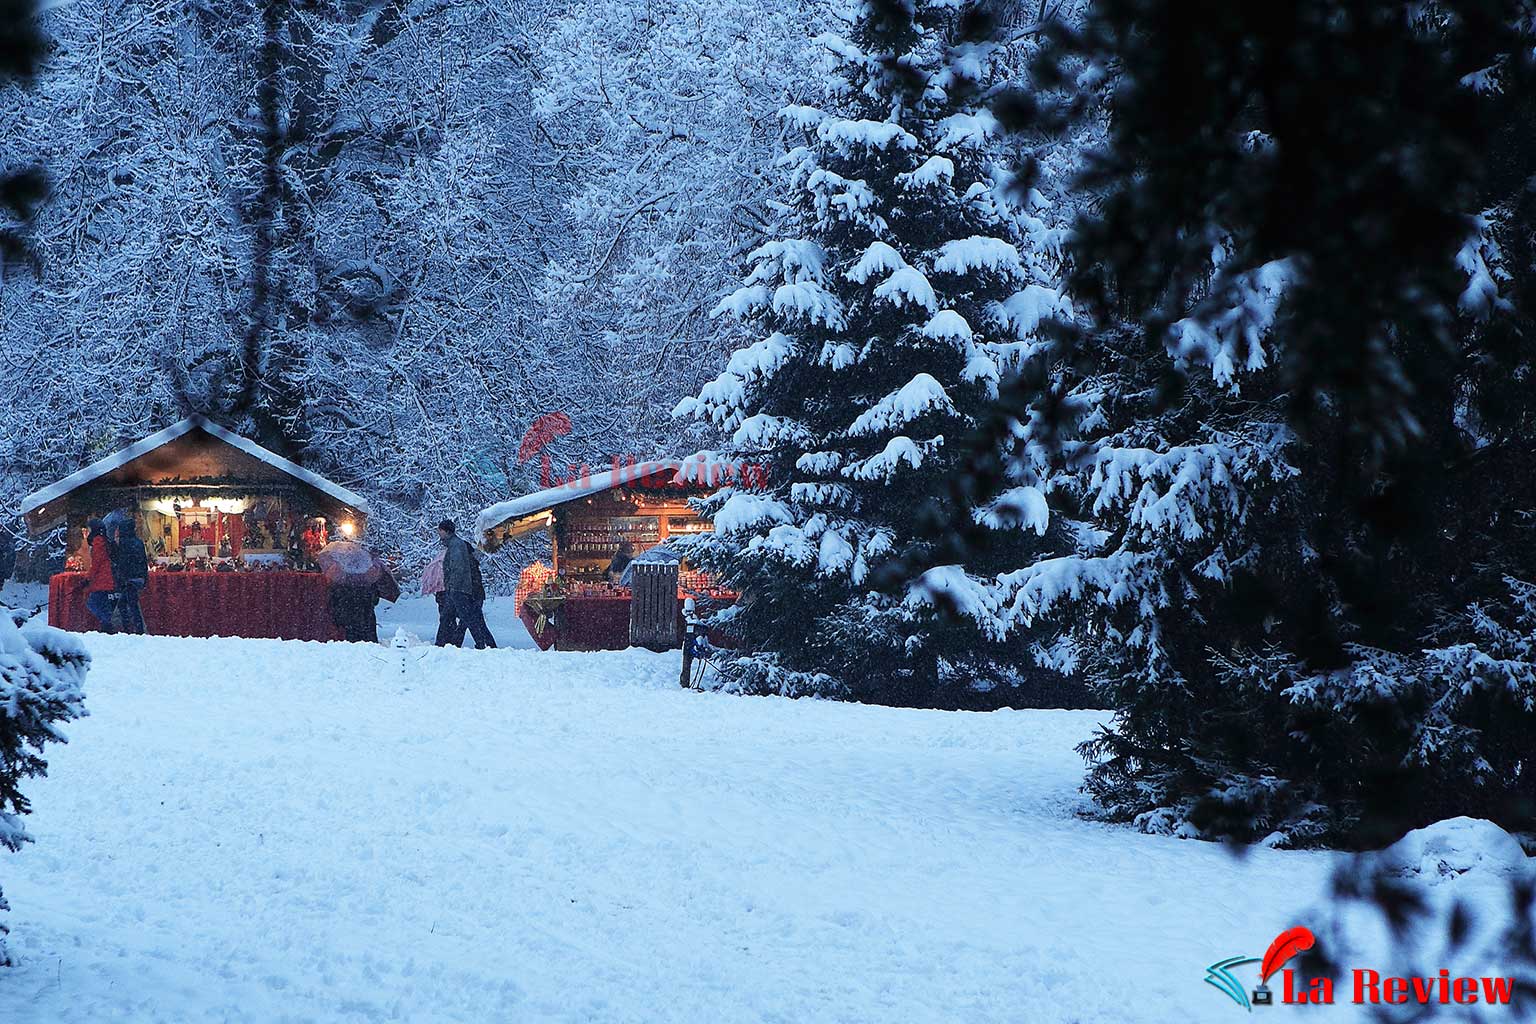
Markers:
(447, 625)
(130, 571)
(620, 561)
(7, 557)
(100, 588)
(463, 592)
(352, 611)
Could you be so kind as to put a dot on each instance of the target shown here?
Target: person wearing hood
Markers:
(619, 564)
(130, 570)
(463, 592)
(100, 587)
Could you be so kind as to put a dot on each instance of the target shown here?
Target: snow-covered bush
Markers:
(1458, 896)
(42, 671)
(1449, 849)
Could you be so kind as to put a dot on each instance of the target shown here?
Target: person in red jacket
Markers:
(100, 587)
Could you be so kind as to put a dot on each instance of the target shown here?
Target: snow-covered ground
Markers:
(264, 831)
(31, 598)
(416, 614)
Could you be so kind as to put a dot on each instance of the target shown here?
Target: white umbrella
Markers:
(347, 562)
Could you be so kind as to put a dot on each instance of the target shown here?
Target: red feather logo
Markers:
(544, 430)
(1286, 945)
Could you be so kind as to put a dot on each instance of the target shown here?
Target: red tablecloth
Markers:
(284, 605)
(582, 624)
(597, 624)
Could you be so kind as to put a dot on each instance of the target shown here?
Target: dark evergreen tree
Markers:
(21, 189)
(1303, 581)
(41, 669)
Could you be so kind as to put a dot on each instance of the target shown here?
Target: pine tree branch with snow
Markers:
(42, 672)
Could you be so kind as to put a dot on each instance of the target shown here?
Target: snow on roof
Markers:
(37, 499)
(541, 501)
(702, 469)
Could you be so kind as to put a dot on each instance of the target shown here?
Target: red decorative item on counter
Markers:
(315, 538)
(234, 528)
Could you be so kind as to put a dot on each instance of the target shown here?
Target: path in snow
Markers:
(417, 615)
(265, 831)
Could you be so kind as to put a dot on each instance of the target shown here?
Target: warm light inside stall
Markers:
(228, 506)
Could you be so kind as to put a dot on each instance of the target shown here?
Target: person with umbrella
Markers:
(358, 581)
(449, 630)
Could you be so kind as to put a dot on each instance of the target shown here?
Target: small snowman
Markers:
(399, 655)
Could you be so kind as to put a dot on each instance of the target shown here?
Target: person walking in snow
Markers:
(354, 606)
(130, 570)
(100, 587)
(463, 592)
(432, 583)
(352, 609)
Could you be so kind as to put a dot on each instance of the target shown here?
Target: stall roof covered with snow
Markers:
(529, 513)
(195, 455)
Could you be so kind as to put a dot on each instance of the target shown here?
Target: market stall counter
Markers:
(589, 622)
(276, 604)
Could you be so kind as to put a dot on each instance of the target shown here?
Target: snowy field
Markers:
(264, 831)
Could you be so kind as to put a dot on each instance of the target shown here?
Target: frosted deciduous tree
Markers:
(663, 124)
(396, 344)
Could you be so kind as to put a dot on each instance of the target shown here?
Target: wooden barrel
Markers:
(653, 606)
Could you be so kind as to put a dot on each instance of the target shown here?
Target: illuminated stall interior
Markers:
(203, 497)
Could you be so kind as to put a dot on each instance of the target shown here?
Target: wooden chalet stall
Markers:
(576, 603)
(231, 531)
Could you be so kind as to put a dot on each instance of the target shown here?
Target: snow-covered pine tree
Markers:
(41, 672)
(888, 305)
